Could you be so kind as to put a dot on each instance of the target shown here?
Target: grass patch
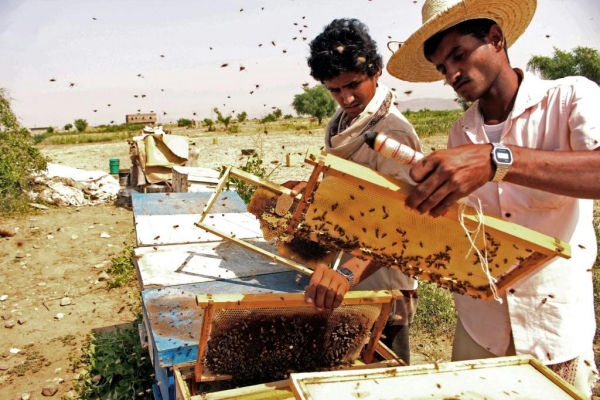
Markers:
(76, 138)
(34, 361)
(122, 271)
(432, 123)
(436, 314)
(115, 366)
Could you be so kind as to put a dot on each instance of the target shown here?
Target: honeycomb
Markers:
(266, 344)
(274, 212)
(347, 216)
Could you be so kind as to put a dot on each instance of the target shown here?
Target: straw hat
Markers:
(409, 62)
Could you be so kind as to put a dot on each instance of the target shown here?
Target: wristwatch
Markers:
(503, 159)
(346, 273)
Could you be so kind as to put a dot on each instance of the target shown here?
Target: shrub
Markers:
(436, 314)
(50, 130)
(184, 122)
(115, 366)
(68, 127)
(122, 271)
(19, 159)
(234, 128)
(81, 125)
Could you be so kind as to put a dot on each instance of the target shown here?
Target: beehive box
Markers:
(260, 338)
(517, 377)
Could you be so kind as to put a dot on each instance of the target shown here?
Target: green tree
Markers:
(220, 118)
(209, 123)
(184, 122)
(81, 125)
(581, 61)
(50, 130)
(316, 102)
(68, 127)
(277, 113)
(19, 159)
(241, 117)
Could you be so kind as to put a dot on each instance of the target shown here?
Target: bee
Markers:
(581, 246)
(175, 226)
(544, 300)
(361, 187)
(351, 218)
(334, 206)
(242, 68)
(224, 65)
(408, 92)
(421, 244)
(157, 237)
(351, 197)
(305, 84)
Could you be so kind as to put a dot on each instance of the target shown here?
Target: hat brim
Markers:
(408, 63)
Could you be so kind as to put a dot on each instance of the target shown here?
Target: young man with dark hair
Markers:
(528, 150)
(345, 59)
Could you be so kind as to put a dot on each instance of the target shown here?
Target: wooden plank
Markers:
(369, 351)
(279, 390)
(215, 195)
(184, 203)
(559, 381)
(490, 378)
(201, 262)
(277, 300)
(204, 334)
(310, 186)
(182, 391)
(154, 230)
(272, 255)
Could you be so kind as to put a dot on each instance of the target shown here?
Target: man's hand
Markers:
(326, 289)
(296, 186)
(446, 176)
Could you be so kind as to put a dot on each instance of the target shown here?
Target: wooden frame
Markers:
(541, 247)
(211, 303)
(445, 380)
(234, 172)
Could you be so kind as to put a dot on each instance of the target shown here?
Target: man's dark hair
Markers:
(343, 46)
(479, 28)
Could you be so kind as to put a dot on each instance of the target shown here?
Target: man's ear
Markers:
(497, 37)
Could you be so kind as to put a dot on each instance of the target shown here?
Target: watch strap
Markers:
(346, 273)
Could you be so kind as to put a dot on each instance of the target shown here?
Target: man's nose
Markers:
(348, 97)
(452, 75)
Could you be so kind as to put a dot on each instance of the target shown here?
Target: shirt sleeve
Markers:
(584, 114)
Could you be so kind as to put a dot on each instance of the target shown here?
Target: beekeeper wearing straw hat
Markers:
(528, 150)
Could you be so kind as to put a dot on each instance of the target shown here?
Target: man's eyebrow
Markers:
(450, 53)
(352, 82)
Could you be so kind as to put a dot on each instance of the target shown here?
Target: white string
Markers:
(472, 235)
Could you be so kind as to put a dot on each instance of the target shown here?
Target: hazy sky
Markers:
(102, 46)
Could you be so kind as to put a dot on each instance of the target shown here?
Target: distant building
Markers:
(146, 119)
(39, 131)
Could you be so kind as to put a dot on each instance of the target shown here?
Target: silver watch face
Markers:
(502, 155)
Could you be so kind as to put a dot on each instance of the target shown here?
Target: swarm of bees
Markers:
(265, 346)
